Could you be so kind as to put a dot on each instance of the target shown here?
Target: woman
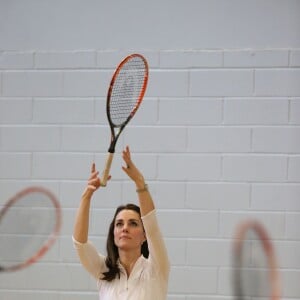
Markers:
(136, 266)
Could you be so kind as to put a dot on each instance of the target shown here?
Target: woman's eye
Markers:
(134, 224)
(119, 224)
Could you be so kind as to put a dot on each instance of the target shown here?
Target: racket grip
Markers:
(105, 173)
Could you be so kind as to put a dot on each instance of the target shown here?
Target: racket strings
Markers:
(127, 90)
(26, 226)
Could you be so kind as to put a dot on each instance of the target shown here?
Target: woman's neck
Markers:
(128, 260)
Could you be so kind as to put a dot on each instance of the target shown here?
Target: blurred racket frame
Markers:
(30, 223)
(266, 244)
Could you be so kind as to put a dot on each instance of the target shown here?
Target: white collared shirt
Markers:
(148, 279)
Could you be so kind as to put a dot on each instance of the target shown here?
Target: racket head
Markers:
(126, 90)
(30, 223)
(255, 272)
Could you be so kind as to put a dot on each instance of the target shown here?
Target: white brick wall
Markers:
(217, 136)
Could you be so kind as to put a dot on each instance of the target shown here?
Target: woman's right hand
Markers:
(93, 182)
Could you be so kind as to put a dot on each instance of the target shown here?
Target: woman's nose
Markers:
(125, 228)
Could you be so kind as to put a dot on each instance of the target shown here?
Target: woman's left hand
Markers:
(130, 169)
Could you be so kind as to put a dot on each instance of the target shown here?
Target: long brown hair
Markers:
(112, 250)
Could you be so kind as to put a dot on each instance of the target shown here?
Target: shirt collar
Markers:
(137, 268)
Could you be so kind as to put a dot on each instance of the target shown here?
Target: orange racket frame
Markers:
(242, 229)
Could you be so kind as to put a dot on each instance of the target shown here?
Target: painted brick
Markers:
(295, 111)
(15, 110)
(206, 297)
(277, 82)
(30, 138)
(176, 250)
(77, 295)
(254, 168)
(292, 226)
(57, 165)
(290, 286)
(274, 222)
(256, 58)
(225, 282)
(295, 58)
(223, 196)
(33, 280)
(47, 295)
(294, 168)
(85, 83)
(156, 139)
(100, 111)
(100, 221)
(68, 222)
(206, 276)
(176, 297)
(65, 60)
(62, 277)
(219, 139)
(15, 165)
(190, 59)
(84, 139)
(13, 280)
(167, 83)
(16, 60)
(221, 83)
(287, 254)
(32, 83)
(29, 295)
(279, 197)
(63, 111)
(256, 111)
(189, 167)
(190, 111)
(276, 140)
(214, 253)
(202, 224)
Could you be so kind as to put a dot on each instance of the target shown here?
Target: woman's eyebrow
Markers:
(136, 220)
(132, 219)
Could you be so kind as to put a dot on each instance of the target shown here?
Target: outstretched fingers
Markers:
(127, 157)
(94, 180)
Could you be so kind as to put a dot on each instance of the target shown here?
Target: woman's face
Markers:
(128, 230)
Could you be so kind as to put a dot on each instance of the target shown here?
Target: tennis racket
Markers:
(255, 272)
(125, 94)
(29, 225)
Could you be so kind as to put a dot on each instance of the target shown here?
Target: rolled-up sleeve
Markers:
(91, 260)
(157, 249)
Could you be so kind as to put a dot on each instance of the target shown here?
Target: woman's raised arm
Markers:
(81, 226)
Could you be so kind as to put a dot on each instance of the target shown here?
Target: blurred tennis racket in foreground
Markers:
(29, 225)
(255, 272)
(125, 94)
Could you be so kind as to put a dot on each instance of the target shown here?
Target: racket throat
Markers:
(114, 139)
(112, 147)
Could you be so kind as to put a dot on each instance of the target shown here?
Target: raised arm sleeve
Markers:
(157, 249)
(91, 260)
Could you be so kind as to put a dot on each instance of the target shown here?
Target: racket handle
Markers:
(105, 173)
